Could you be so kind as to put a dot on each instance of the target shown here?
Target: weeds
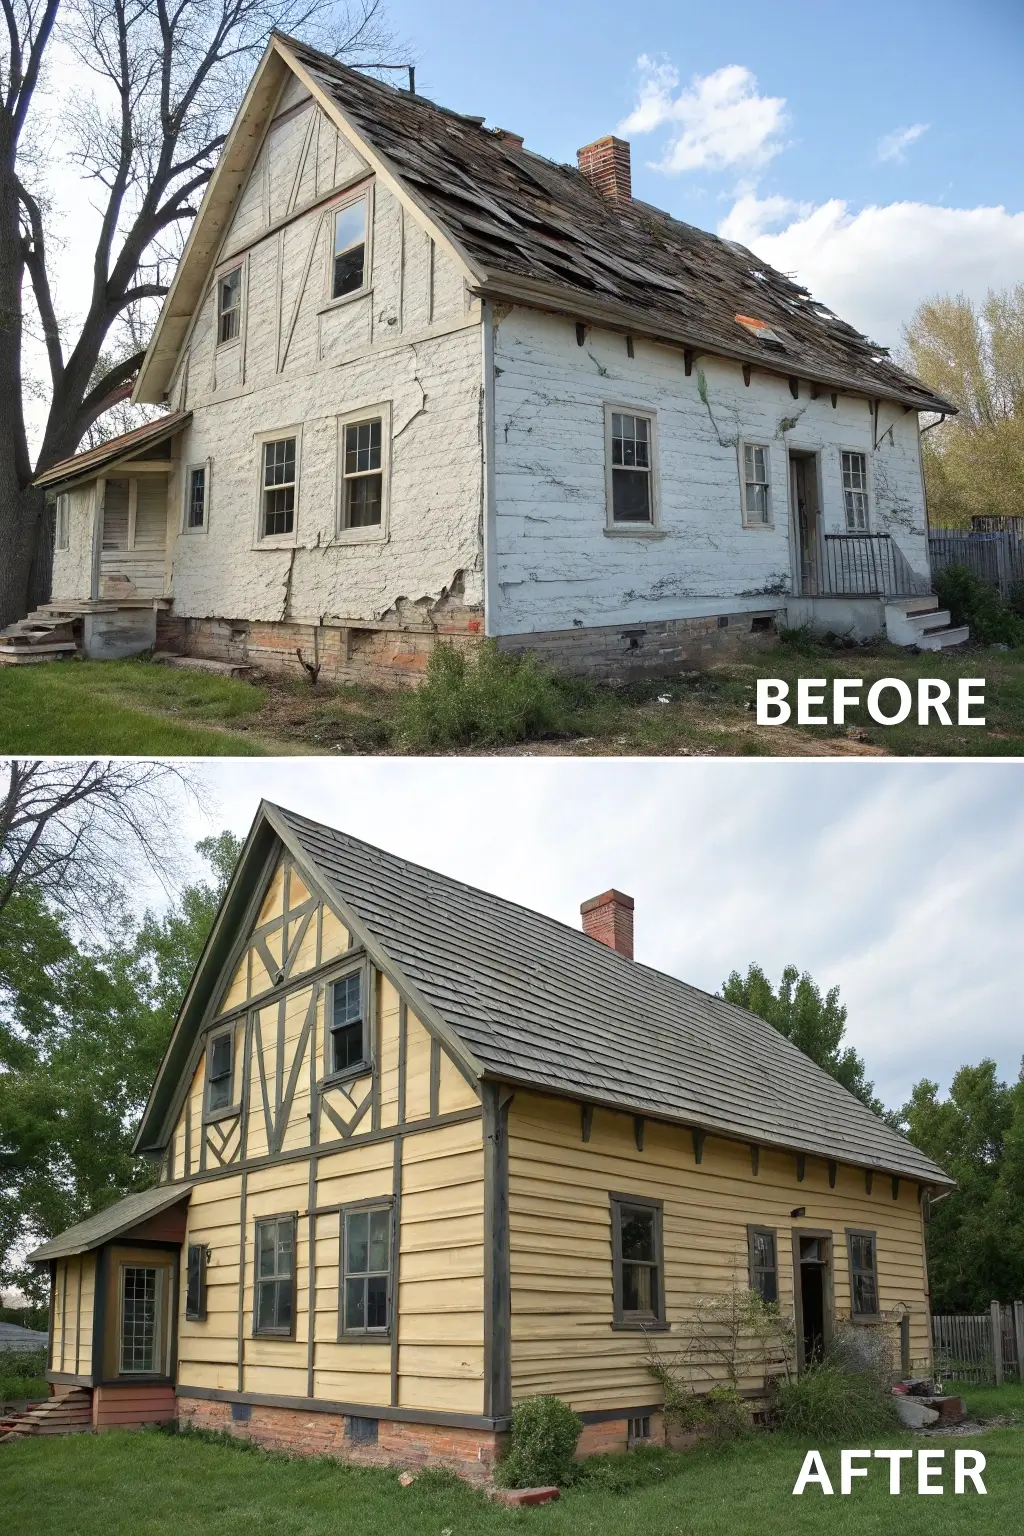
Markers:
(485, 699)
(22, 1375)
(974, 601)
(828, 1403)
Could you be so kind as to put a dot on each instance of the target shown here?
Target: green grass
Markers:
(119, 1484)
(22, 1375)
(987, 1402)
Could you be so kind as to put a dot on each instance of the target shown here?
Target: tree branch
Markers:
(34, 251)
(96, 401)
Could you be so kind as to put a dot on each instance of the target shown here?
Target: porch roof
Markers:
(111, 1223)
(93, 460)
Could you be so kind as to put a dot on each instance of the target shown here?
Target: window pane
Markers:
(220, 1056)
(349, 249)
(267, 1257)
(264, 1306)
(138, 1318)
(358, 1242)
(364, 502)
(220, 1093)
(283, 1310)
(197, 498)
(362, 447)
(278, 511)
(631, 496)
(757, 503)
(638, 1288)
(347, 1047)
(377, 1302)
(355, 1308)
(284, 1247)
(637, 1233)
(279, 462)
(380, 1235)
(347, 1001)
(350, 227)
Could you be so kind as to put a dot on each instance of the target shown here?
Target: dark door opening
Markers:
(803, 491)
(814, 1318)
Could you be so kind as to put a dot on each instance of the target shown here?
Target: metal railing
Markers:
(861, 565)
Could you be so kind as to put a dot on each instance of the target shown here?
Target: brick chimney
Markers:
(513, 140)
(605, 163)
(609, 920)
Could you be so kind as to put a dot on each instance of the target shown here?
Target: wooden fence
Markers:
(987, 1348)
(996, 556)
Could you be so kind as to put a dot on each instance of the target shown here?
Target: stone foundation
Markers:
(370, 1442)
(618, 653)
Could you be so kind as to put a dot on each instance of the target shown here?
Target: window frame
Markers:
(266, 1221)
(618, 530)
(365, 1066)
(230, 1108)
(375, 533)
(745, 518)
(162, 1325)
(206, 465)
(364, 192)
(277, 540)
(197, 1313)
(62, 522)
(867, 493)
(756, 1230)
(851, 1233)
(366, 1335)
(239, 266)
(635, 1322)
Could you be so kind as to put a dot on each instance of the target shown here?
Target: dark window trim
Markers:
(366, 1335)
(365, 1066)
(224, 1109)
(852, 1232)
(258, 1221)
(198, 1313)
(753, 1229)
(636, 1322)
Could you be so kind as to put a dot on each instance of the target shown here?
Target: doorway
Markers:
(806, 512)
(812, 1260)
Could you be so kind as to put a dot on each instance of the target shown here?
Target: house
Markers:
(424, 1152)
(422, 383)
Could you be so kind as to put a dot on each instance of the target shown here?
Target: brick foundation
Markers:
(469, 1452)
(610, 1436)
(621, 652)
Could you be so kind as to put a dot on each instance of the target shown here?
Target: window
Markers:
(62, 526)
(195, 1284)
(348, 1043)
(639, 1428)
(349, 249)
(757, 507)
(764, 1264)
(638, 1286)
(855, 491)
(863, 1274)
(140, 1298)
(219, 1073)
(362, 476)
(277, 513)
(366, 1270)
(229, 306)
(275, 1276)
(631, 493)
(195, 512)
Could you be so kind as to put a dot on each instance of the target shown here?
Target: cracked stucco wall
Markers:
(412, 343)
(72, 567)
(555, 566)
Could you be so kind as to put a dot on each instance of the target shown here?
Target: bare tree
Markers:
(67, 828)
(170, 74)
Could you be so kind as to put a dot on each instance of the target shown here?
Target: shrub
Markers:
(22, 1374)
(974, 601)
(545, 1432)
(630, 1470)
(720, 1414)
(485, 699)
(799, 638)
(828, 1402)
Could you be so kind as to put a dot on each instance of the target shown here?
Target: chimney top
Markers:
(605, 164)
(513, 140)
(609, 920)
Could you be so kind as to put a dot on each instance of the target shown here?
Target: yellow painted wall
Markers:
(560, 1236)
(208, 1351)
(73, 1315)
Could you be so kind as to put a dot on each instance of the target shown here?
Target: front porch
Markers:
(100, 629)
(861, 586)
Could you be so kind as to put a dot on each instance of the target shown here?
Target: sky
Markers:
(899, 882)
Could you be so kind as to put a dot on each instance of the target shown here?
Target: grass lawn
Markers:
(987, 1402)
(120, 1484)
(138, 707)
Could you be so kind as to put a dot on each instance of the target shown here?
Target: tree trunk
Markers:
(19, 514)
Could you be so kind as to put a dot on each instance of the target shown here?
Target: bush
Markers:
(545, 1432)
(974, 601)
(719, 1414)
(829, 1403)
(485, 699)
(799, 638)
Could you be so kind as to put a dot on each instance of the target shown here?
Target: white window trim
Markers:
(362, 193)
(869, 490)
(240, 264)
(612, 529)
(742, 446)
(277, 540)
(206, 464)
(382, 533)
(59, 546)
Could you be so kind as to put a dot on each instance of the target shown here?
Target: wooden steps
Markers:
(69, 1413)
(48, 634)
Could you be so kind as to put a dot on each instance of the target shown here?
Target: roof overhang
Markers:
(116, 451)
(112, 1223)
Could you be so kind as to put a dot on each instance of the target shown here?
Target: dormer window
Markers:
(229, 306)
(349, 249)
(219, 1072)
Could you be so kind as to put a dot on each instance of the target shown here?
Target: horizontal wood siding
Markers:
(208, 1351)
(349, 1371)
(560, 1234)
(117, 1407)
(73, 1315)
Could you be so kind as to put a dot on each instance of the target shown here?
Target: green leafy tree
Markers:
(82, 1030)
(815, 1024)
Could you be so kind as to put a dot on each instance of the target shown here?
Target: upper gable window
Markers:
(219, 1072)
(855, 491)
(349, 272)
(348, 1036)
(229, 306)
(630, 468)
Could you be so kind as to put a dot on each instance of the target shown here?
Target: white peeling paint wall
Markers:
(411, 343)
(72, 567)
(554, 565)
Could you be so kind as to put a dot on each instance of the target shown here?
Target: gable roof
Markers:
(537, 1003)
(81, 465)
(528, 230)
(108, 1224)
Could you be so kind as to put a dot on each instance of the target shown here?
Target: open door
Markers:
(813, 1293)
(805, 505)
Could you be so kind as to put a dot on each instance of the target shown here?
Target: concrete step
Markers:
(914, 605)
(202, 664)
(938, 619)
(944, 639)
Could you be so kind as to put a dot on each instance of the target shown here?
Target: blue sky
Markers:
(845, 78)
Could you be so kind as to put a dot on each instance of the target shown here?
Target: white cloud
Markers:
(893, 146)
(717, 121)
(875, 266)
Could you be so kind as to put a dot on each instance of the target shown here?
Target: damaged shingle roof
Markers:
(543, 1005)
(540, 232)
